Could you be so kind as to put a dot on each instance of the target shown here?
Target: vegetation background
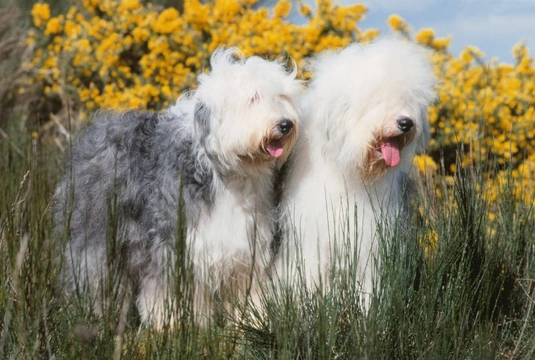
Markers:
(464, 287)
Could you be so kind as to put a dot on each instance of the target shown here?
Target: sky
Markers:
(493, 26)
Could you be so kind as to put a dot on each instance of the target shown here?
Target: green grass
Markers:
(470, 298)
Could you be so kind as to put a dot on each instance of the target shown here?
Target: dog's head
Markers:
(246, 114)
(370, 102)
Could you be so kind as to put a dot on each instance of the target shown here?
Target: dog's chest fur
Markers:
(237, 223)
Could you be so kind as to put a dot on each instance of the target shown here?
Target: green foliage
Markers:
(469, 297)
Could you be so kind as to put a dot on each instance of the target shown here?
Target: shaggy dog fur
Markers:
(216, 150)
(364, 117)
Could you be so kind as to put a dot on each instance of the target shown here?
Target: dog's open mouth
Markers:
(385, 153)
(275, 148)
(391, 149)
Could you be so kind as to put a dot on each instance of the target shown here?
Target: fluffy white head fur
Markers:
(357, 97)
(247, 99)
(364, 116)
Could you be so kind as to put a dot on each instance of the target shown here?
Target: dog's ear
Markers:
(201, 122)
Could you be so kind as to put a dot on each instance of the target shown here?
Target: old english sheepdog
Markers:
(216, 151)
(364, 117)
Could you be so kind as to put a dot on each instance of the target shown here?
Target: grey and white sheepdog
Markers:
(217, 150)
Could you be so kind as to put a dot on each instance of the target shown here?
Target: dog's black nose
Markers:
(405, 124)
(285, 126)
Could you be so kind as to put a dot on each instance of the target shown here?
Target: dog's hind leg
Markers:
(155, 301)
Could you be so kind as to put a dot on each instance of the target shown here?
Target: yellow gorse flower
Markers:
(40, 14)
(425, 164)
(397, 23)
(282, 9)
(54, 26)
(305, 10)
(425, 36)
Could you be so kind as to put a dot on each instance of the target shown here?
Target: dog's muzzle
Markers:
(275, 146)
(391, 147)
(285, 126)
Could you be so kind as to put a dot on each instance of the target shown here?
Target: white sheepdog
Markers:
(364, 117)
(217, 151)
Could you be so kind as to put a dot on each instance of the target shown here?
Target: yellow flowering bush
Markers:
(131, 54)
(127, 54)
(484, 110)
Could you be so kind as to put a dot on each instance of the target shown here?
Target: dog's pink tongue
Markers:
(275, 148)
(390, 152)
